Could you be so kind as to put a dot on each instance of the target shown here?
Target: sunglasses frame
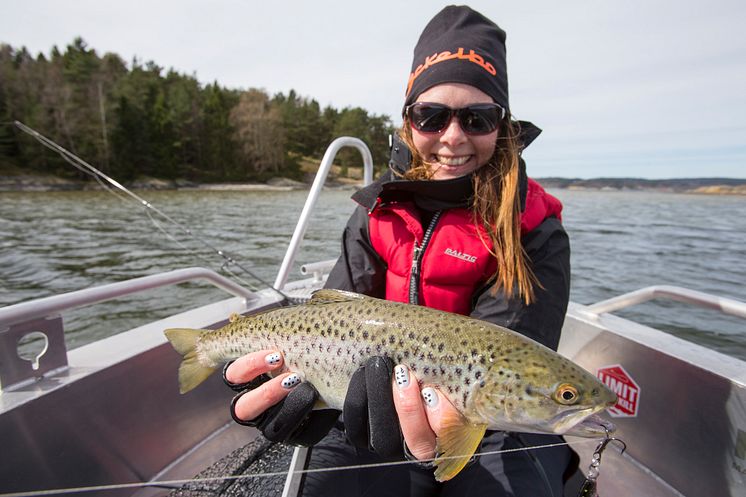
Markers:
(455, 112)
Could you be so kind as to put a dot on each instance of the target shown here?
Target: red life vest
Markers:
(456, 261)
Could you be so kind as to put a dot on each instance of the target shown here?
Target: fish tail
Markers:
(191, 371)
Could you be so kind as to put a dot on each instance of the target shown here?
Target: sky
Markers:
(640, 88)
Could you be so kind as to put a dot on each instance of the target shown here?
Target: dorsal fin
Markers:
(328, 296)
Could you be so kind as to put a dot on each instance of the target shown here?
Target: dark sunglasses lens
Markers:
(479, 120)
(429, 118)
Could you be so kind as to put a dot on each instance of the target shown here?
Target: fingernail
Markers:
(291, 381)
(273, 358)
(430, 396)
(401, 373)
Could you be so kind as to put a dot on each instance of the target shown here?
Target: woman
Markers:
(455, 225)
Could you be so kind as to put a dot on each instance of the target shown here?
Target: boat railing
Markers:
(42, 318)
(725, 305)
(318, 269)
(313, 195)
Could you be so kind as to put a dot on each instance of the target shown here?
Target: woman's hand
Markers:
(420, 412)
(261, 393)
(279, 407)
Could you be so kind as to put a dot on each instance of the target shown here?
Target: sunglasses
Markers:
(477, 119)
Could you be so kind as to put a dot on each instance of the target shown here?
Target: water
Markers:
(621, 241)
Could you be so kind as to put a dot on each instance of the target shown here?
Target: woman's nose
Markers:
(453, 134)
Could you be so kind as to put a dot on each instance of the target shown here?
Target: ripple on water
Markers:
(621, 241)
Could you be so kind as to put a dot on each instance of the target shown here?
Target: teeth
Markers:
(453, 161)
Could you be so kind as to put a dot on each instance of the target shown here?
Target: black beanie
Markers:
(460, 45)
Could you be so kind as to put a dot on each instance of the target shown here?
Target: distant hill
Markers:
(683, 185)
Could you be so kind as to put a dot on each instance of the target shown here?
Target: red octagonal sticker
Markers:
(627, 391)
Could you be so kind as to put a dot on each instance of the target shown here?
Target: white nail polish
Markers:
(273, 358)
(291, 381)
(401, 374)
(430, 396)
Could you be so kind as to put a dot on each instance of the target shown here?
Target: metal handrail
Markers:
(313, 195)
(49, 306)
(679, 294)
(300, 454)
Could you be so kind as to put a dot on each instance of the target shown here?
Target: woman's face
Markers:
(452, 153)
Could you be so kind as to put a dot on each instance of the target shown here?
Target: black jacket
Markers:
(360, 269)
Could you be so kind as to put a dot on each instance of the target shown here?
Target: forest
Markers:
(140, 120)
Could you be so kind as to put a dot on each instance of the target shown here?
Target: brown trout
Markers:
(497, 379)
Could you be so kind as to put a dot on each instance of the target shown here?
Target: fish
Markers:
(496, 378)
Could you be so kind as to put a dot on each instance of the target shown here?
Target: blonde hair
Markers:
(496, 206)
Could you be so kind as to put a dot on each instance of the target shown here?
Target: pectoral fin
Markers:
(456, 444)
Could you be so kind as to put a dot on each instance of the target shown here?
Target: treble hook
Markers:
(606, 441)
(589, 485)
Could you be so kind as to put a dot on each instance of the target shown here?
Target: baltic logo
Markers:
(628, 391)
(461, 255)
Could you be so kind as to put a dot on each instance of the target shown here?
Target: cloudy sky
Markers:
(645, 88)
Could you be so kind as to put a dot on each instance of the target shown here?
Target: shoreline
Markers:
(32, 183)
(46, 183)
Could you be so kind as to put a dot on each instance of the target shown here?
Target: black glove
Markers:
(369, 414)
(291, 420)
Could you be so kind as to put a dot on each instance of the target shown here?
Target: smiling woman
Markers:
(455, 225)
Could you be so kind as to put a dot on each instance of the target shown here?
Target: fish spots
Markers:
(365, 334)
(441, 347)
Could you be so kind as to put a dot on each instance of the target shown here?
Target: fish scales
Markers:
(496, 378)
(327, 342)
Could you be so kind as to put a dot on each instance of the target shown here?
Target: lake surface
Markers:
(56, 242)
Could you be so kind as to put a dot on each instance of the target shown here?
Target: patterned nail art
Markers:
(401, 373)
(273, 358)
(291, 381)
(430, 396)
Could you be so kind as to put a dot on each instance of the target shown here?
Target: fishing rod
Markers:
(128, 195)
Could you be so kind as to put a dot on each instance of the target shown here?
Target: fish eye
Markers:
(566, 394)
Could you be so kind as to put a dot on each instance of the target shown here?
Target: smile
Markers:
(453, 161)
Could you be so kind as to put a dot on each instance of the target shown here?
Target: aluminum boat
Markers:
(107, 418)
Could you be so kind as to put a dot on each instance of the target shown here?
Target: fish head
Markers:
(540, 391)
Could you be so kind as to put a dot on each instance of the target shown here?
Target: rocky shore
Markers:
(46, 183)
(702, 186)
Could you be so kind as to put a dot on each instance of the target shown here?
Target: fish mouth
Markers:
(592, 426)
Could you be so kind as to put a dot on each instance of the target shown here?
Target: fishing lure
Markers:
(590, 485)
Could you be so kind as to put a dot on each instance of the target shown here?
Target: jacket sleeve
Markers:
(359, 267)
(548, 249)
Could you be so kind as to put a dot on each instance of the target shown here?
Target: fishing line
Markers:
(179, 483)
(102, 179)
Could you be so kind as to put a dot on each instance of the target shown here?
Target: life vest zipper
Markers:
(414, 276)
